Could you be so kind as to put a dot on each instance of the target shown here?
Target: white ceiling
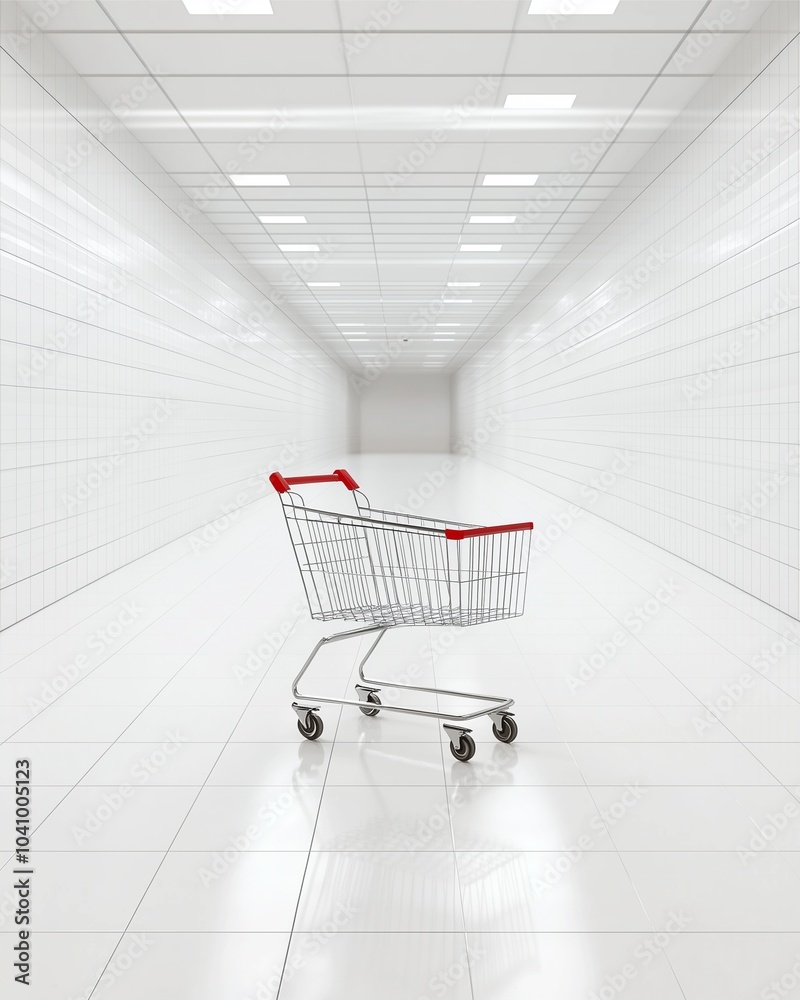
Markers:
(344, 108)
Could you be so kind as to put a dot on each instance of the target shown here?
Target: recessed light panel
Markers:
(324, 284)
(293, 219)
(481, 247)
(298, 247)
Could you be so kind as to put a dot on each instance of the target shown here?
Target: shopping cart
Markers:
(390, 569)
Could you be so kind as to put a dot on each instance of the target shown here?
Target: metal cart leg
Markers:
(462, 745)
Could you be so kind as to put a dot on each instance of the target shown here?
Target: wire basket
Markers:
(393, 568)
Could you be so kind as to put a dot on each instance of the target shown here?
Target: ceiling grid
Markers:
(365, 113)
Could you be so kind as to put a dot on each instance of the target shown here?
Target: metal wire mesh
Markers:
(393, 568)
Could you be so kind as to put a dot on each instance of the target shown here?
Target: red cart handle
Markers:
(456, 534)
(283, 484)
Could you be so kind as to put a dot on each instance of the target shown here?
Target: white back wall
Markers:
(656, 381)
(406, 412)
(148, 381)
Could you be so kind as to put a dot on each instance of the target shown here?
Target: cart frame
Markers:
(345, 543)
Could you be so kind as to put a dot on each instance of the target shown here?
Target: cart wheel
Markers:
(314, 730)
(373, 699)
(465, 749)
(507, 733)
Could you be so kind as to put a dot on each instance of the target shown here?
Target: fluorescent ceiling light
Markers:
(510, 180)
(350, 324)
(478, 247)
(463, 284)
(499, 219)
(444, 340)
(253, 8)
(298, 247)
(324, 284)
(448, 324)
(456, 300)
(539, 102)
(294, 219)
(260, 180)
(556, 8)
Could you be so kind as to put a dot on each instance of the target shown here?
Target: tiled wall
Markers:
(146, 379)
(656, 381)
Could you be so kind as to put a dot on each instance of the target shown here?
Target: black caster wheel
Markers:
(372, 699)
(507, 732)
(465, 749)
(314, 729)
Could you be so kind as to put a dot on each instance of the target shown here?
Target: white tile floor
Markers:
(642, 836)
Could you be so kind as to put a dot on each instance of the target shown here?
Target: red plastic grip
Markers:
(283, 484)
(456, 534)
